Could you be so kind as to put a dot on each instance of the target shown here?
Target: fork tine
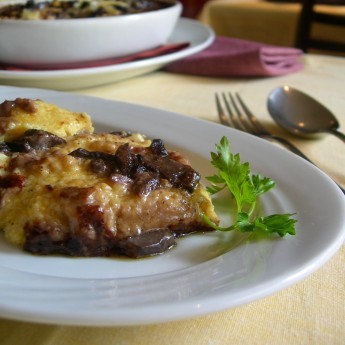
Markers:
(242, 120)
(252, 118)
(221, 113)
(234, 120)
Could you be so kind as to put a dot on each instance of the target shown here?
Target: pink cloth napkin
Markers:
(230, 57)
(159, 51)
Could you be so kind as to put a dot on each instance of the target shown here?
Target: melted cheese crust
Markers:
(49, 117)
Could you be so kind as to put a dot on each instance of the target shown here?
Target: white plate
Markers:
(204, 273)
(187, 30)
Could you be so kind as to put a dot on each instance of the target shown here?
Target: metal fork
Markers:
(249, 123)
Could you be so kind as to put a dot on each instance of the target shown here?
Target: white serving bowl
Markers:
(37, 42)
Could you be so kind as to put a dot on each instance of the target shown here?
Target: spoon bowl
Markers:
(301, 114)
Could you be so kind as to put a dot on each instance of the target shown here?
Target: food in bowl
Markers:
(67, 190)
(65, 9)
(95, 31)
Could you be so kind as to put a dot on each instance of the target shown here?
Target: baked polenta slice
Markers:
(22, 114)
(99, 195)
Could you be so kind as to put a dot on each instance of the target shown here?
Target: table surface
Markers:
(309, 312)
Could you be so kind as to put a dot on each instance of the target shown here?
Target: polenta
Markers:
(20, 115)
(66, 190)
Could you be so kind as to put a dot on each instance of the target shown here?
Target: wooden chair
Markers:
(308, 17)
(191, 8)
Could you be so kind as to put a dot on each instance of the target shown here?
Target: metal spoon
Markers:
(301, 114)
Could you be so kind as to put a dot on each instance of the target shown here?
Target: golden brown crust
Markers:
(20, 115)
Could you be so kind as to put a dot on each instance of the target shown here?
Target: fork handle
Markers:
(289, 146)
(293, 149)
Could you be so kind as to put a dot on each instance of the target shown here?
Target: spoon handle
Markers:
(295, 150)
(338, 134)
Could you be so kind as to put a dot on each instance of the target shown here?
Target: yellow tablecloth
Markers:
(310, 312)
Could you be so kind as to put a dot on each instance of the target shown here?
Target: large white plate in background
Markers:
(187, 30)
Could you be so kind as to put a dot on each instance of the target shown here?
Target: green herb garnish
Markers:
(246, 189)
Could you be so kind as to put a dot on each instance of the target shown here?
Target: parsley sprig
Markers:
(245, 188)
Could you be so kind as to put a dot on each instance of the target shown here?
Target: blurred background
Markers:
(312, 25)
(276, 22)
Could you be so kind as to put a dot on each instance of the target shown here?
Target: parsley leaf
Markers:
(246, 189)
